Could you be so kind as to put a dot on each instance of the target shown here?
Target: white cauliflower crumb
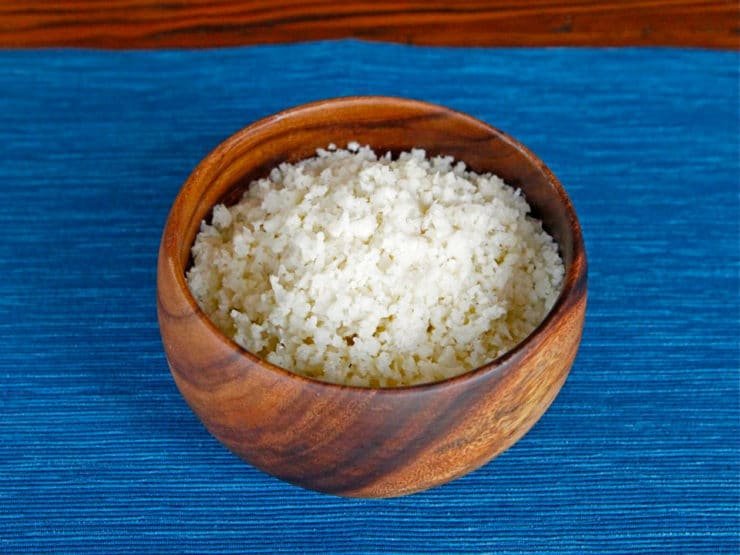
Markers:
(364, 270)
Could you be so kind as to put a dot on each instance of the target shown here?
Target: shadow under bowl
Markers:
(353, 441)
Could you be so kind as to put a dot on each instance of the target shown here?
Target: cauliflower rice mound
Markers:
(368, 271)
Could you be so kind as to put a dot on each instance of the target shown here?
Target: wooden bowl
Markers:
(353, 441)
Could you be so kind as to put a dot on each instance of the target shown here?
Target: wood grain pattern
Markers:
(357, 441)
(202, 23)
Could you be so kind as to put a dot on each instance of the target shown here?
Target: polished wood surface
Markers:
(202, 23)
(359, 441)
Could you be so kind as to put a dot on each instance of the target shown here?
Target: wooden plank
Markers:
(203, 23)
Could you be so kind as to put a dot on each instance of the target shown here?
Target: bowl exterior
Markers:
(352, 441)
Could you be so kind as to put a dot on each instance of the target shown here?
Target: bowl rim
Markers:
(574, 279)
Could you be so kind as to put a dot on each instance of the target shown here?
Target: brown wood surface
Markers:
(201, 23)
(360, 441)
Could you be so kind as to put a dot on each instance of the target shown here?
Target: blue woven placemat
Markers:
(100, 454)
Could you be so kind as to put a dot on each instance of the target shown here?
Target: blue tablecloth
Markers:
(98, 451)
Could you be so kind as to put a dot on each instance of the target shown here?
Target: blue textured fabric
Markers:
(98, 451)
